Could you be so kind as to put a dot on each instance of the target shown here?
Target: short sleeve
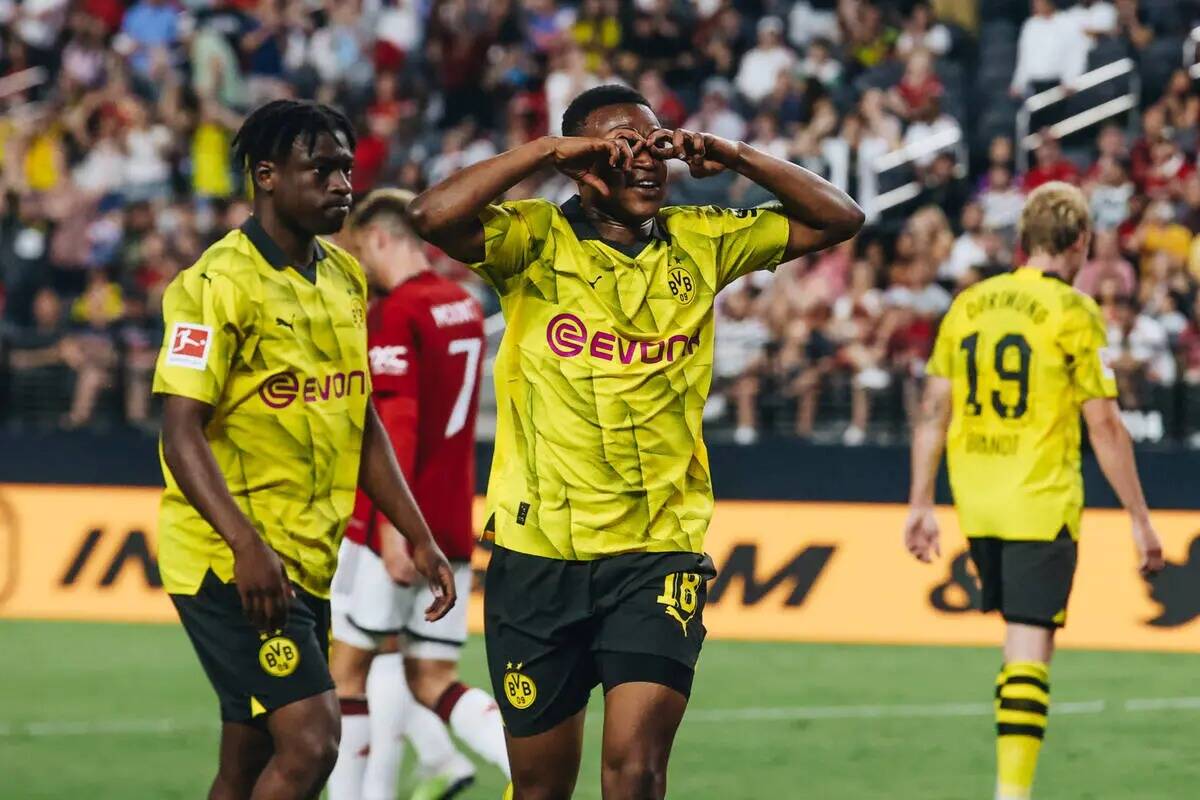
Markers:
(513, 234)
(941, 361)
(750, 239)
(205, 317)
(1084, 340)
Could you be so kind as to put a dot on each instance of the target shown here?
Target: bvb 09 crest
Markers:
(681, 283)
(519, 688)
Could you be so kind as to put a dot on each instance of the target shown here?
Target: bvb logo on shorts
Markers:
(681, 284)
(519, 688)
(279, 656)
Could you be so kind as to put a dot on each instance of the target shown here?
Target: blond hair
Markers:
(386, 207)
(1055, 216)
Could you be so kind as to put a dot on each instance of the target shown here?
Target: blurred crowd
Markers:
(116, 172)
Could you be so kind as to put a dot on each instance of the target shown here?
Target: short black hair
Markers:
(575, 117)
(271, 130)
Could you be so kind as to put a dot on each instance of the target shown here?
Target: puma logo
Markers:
(594, 281)
(683, 621)
(285, 323)
(1177, 590)
(204, 276)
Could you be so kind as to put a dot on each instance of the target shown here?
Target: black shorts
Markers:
(253, 673)
(1027, 582)
(555, 629)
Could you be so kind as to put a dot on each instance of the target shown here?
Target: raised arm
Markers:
(1114, 451)
(448, 214)
(821, 214)
(380, 477)
(921, 535)
(258, 573)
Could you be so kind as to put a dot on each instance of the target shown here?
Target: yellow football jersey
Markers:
(603, 372)
(1024, 351)
(282, 358)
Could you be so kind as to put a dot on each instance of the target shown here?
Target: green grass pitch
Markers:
(108, 711)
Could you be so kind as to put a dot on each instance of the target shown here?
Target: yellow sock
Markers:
(1022, 704)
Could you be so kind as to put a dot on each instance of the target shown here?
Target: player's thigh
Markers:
(1037, 578)
(539, 635)
(244, 751)
(432, 649)
(307, 730)
(255, 673)
(545, 765)
(349, 665)
(640, 721)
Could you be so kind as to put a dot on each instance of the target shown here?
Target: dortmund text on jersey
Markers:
(1024, 351)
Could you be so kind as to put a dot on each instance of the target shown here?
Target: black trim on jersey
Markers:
(273, 253)
(374, 631)
(584, 229)
(1054, 276)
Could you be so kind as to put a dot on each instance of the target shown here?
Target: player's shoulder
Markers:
(231, 263)
(705, 220)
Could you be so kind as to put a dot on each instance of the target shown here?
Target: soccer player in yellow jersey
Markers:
(600, 491)
(267, 429)
(1018, 356)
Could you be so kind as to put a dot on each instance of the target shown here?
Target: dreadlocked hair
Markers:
(272, 129)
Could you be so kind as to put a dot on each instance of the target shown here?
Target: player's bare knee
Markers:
(633, 778)
(308, 756)
(553, 790)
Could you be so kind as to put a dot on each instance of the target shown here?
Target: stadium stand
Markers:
(115, 169)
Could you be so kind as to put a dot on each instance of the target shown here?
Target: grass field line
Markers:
(113, 727)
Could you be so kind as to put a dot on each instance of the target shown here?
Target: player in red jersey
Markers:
(426, 345)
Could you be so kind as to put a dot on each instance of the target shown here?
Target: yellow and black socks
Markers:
(1022, 705)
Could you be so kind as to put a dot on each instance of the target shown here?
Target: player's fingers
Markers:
(679, 143)
(627, 156)
(696, 145)
(252, 606)
(661, 144)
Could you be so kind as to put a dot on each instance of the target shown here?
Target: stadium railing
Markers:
(1103, 109)
(906, 156)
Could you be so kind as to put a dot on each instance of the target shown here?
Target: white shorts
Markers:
(367, 606)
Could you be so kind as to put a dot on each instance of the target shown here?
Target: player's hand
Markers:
(394, 552)
(581, 158)
(428, 559)
(922, 537)
(705, 154)
(263, 584)
(1149, 547)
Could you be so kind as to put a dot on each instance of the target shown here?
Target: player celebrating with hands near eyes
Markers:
(600, 492)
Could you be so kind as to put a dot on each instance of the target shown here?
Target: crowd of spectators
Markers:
(115, 168)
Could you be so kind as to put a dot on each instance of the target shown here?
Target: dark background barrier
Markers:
(779, 469)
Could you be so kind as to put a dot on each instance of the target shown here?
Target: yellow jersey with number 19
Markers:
(603, 372)
(282, 358)
(1024, 351)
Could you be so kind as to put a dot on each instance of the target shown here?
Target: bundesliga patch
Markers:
(190, 344)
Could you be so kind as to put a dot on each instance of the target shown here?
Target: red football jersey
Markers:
(426, 347)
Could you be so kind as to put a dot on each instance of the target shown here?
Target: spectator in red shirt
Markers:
(1051, 166)
(1110, 144)
(1168, 170)
(919, 86)
(1154, 126)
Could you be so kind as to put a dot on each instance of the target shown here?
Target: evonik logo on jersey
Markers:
(568, 337)
(282, 389)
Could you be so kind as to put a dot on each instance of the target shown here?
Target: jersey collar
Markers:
(274, 254)
(584, 229)
(1054, 276)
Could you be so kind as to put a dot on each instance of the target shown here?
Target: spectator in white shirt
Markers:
(762, 65)
(1093, 19)
(1002, 201)
(1050, 51)
(932, 123)
(969, 250)
(714, 115)
(923, 32)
